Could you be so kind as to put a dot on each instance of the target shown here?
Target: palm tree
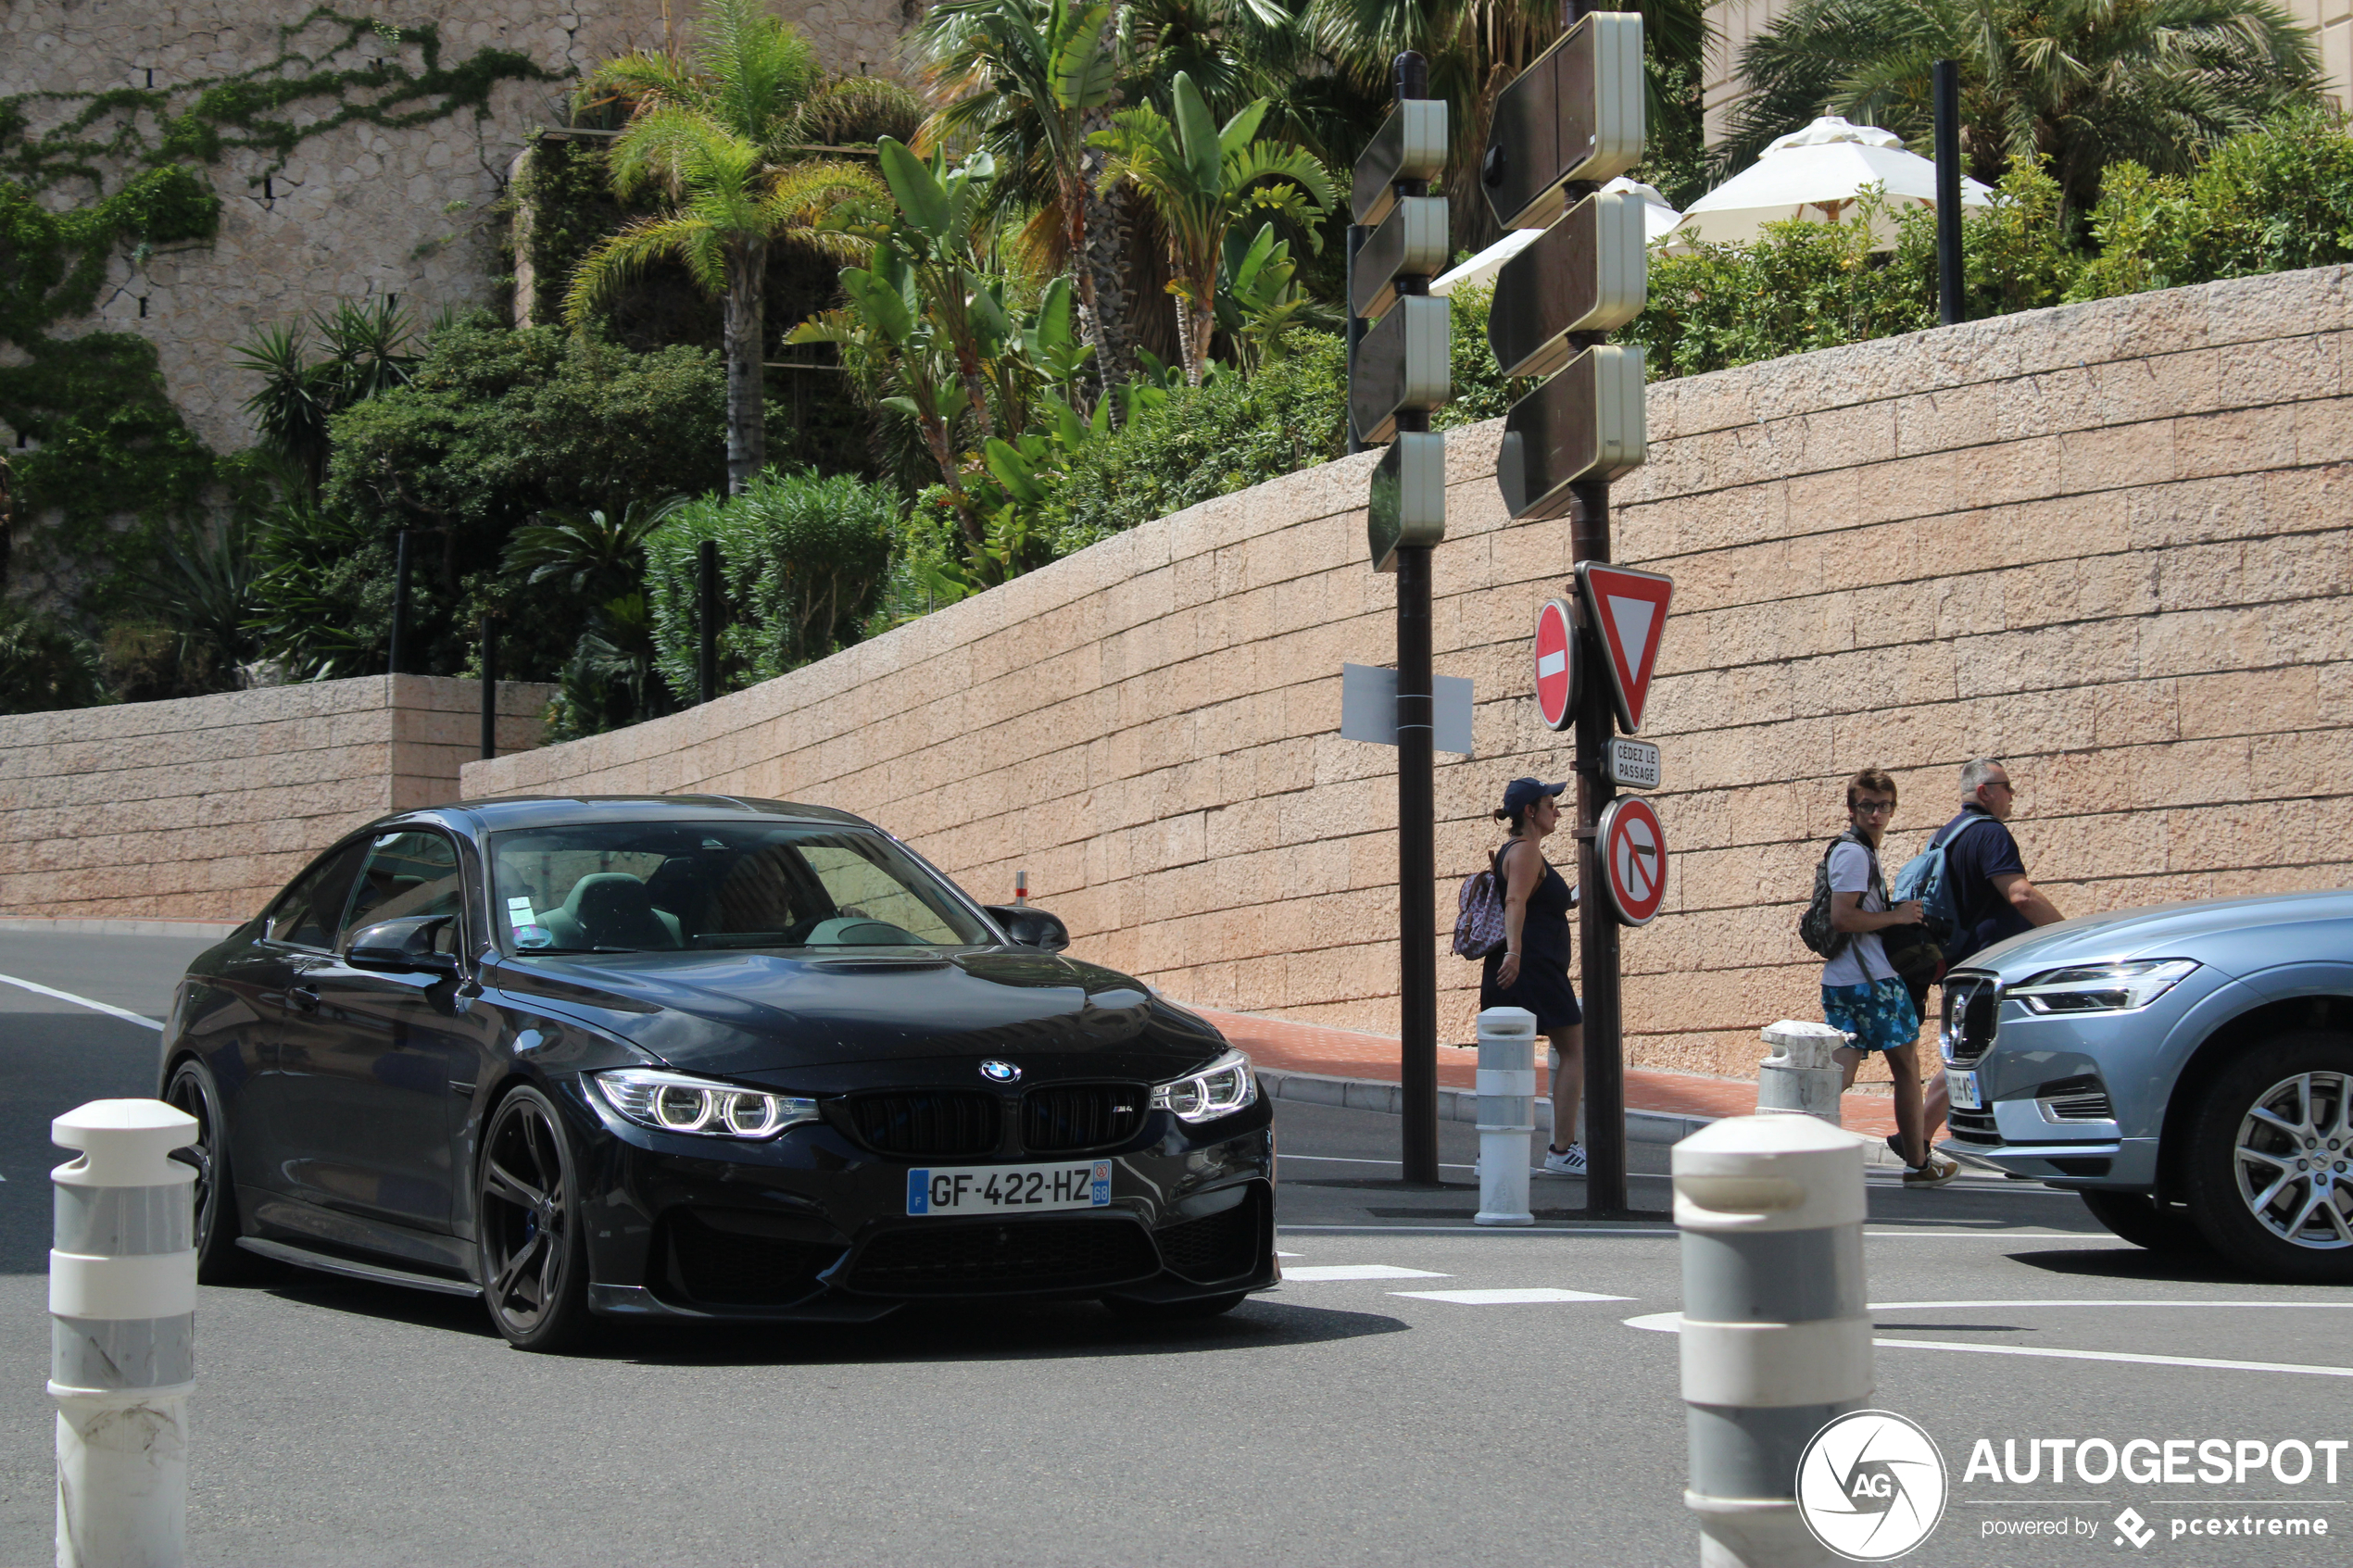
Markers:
(1021, 79)
(723, 131)
(1202, 180)
(2081, 82)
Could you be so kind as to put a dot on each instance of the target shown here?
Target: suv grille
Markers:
(1076, 1116)
(725, 1268)
(929, 1125)
(1220, 1247)
(1974, 1126)
(1020, 1255)
(1970, 1003)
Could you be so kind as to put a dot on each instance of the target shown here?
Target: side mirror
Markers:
(402, 946)
(1031, 928)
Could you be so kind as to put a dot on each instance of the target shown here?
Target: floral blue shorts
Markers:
(1879, 1014)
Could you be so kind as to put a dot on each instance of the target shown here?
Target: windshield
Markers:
(629, 888)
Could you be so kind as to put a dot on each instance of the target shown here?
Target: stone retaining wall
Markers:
(201, 809)
(2109, 542)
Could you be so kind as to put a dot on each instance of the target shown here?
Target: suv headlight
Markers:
(674, 1102)
(2103, 988)
(1223, 1088)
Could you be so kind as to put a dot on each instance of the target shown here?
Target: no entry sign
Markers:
(1556, 664)
(1633, 853)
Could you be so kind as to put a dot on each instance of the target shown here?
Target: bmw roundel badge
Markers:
(999, 1071)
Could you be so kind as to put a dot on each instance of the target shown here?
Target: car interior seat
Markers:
(612, 909)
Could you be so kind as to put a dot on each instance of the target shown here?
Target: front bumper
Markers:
(812, 1227)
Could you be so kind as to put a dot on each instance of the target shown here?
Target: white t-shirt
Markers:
(1863, 958)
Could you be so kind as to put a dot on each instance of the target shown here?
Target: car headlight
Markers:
(2102, 987)
(1220, 1089)
(672, 1102)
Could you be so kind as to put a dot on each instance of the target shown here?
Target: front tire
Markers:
(532, 1241)
(219, 1260)
(2139, 1218)
(2269, 1179)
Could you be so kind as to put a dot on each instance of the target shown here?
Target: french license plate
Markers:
(1962, 1087)
(1009, 1190)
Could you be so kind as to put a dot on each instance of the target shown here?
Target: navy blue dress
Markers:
(1543, 987)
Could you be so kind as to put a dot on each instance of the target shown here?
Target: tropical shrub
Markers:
(44, 663)
(802, 560)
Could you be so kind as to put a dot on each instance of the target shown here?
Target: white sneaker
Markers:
(1569, 1162)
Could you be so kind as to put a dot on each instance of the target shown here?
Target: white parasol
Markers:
(1658, 221)
(1820, 172)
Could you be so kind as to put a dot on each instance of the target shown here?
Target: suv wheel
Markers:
(2140, 1219)
(2271, 1166)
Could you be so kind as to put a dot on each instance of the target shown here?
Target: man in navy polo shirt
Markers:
(1990, 891)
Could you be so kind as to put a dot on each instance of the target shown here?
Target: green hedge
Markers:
(803, 561)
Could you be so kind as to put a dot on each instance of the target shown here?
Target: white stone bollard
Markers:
(122, 1360)
(1776, 1339)
(1800, 1076)
(1506, 1114)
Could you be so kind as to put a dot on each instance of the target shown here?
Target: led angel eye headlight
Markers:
(675, 1102)
(1223, 1088)
(2104, 987)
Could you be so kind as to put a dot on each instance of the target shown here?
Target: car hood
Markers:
(759, 1015)
(2235, 936)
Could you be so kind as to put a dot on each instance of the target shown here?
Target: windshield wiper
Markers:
(538, 952)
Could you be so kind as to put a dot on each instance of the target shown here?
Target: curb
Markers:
(215, 930)
(1461, 1105)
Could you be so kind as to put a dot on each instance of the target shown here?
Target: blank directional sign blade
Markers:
(1578, 113)
(1588, 273)
(1410, 242)
(1403, 363)
(1587, 422)
(1410, 144)
(1409, 496)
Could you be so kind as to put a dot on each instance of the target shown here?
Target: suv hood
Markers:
(2235, 937)
(754, 1015)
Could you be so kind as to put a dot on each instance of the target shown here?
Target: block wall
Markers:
(2109, 542)
(202, 807)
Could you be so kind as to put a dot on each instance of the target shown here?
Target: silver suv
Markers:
(2188, 1067)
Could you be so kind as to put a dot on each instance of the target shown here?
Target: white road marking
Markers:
(123, 1013)
(1938, 1305)
(1506, 1297)
(1359, 1271)
(1352, 1160)
(1282, 1254)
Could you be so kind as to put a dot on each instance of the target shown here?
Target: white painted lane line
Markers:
(1279, 1253)
(1359, 1271)
(2138, 1360)
(2145, 1301)
(1506, 1297)
(123, 1013)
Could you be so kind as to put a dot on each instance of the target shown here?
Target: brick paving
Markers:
(1342, 1053)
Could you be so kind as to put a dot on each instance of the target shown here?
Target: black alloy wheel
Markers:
(533, 1248)
(219, 1260)
(2271, 1158)
(2141, 1219)
(1175, 1311)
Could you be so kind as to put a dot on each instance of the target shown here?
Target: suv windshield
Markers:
(664, 886)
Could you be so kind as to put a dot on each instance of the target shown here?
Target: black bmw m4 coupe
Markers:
(701, 1058)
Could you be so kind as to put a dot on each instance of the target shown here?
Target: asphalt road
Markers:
(1357, 1415)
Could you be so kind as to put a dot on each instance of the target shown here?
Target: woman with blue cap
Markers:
(1531, 969)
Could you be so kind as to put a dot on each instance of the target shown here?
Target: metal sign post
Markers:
(1397, 373)
(1573, 120)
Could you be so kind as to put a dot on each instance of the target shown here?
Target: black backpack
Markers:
(1814, 926)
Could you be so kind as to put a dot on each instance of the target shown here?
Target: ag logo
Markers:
(1871, 1486)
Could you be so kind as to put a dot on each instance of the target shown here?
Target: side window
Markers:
(307, 913)
(406, 873)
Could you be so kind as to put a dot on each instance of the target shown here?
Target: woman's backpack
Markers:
(1478, 915)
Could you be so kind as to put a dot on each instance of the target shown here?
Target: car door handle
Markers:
(302, 999)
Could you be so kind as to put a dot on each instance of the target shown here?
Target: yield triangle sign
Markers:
(1627, 611)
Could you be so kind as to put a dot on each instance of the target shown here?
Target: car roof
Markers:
(500, 813)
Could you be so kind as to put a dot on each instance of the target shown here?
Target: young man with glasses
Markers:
(1861, 992)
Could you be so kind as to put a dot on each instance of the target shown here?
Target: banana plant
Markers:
(1259, 298)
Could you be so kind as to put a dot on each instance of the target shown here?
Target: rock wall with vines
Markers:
(172, 178)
